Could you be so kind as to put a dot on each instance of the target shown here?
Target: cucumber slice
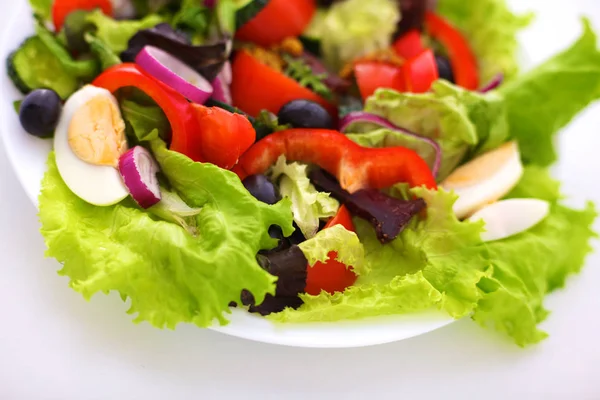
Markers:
(247, 10)
(33, 66)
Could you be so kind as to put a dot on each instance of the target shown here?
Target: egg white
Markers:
(511, 217)
(96, 184)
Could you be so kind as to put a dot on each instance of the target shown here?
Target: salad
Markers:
(305, 160)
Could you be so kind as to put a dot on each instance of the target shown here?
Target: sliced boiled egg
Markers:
(510, 217)
(88, 142)
(485, 179)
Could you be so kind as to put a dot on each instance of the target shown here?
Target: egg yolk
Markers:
(97, 132)
(482, 167)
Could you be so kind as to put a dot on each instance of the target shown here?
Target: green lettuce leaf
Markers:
(353, 28)
(43, 8)
(103, 53)
(168, 275)
(459, 120)
(309, 205)
(434, 262)
(147, 122)
(346, 245)
(116, 34)
(545, 99)
(491, 29)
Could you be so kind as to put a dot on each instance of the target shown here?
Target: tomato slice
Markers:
(62, 8)
(462, 58)
(332, 276)
(420, 72)
(371, 76)
(257, 87)
(409, 45)
(279, 19)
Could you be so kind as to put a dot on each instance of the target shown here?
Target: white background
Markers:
(54, 345)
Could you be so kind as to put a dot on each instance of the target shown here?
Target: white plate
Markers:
(28, 157)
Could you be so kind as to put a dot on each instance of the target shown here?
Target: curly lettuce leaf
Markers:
(346, 245)
(116, 34)
(545, 99)
(461, 122)
(42, 8)
(169, 275)
(308, 204)
(434, 262)
(491, 29)
(147, 122)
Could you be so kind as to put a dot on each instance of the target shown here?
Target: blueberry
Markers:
(305, 114)
(261, 188)
(40, 111)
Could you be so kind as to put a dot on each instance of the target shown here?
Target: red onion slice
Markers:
(138, 169)
(362, 116)
(174, 73)
(493, 84)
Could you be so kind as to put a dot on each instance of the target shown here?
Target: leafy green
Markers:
(193, 17)
(42, 8)
(459, 120)
(545, 99)
(308, 204)
(353, 28)
(301, 72)
(116, 34)
(345, 244)
(168, 275)
(491, 29)
(147, 122)
(103, 53)
(173, 209)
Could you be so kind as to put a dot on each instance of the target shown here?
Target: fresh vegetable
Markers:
(332, 276)
(389, 216)
(261, 188)
(168, 275)
(222, 85)
(145, 122)
(354, 28)
(42, 8)
(172, 208)
(462, 59)
(39, 112)
(332, 150)
(507, 218)
(309, 206)
(420, 72)
(88, 143)
(138, 169)
(491, 29)
(175, 74)
(304, 114)
(105, 55)
(179, 112)
(409, 45)
(358, 117)
(277, 20)
(251, 77)
(371, 76)
(248, 11)
(62, 8)
(302, 72)
(493, 84)
(34, 66)
(206, 59)
(75, 28)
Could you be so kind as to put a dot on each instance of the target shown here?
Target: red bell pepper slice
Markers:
(332, 276)
(371, 76)
(462, 58)
(279, 19)
(409, 45)
(256, 87)
(178, 110)
(62, 8)
(355, 167)
(420, 72)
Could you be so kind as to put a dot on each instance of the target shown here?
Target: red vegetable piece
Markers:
(62, 8)
(420, 72)
(409, 45)
(332, 276)
(371, 76)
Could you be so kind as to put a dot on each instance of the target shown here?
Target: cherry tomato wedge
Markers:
(409, 45)
(420, 72)
(62, 8)
(257, 87)
(332, 276)
(371, 76)
(279, 19)
(462, 58)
